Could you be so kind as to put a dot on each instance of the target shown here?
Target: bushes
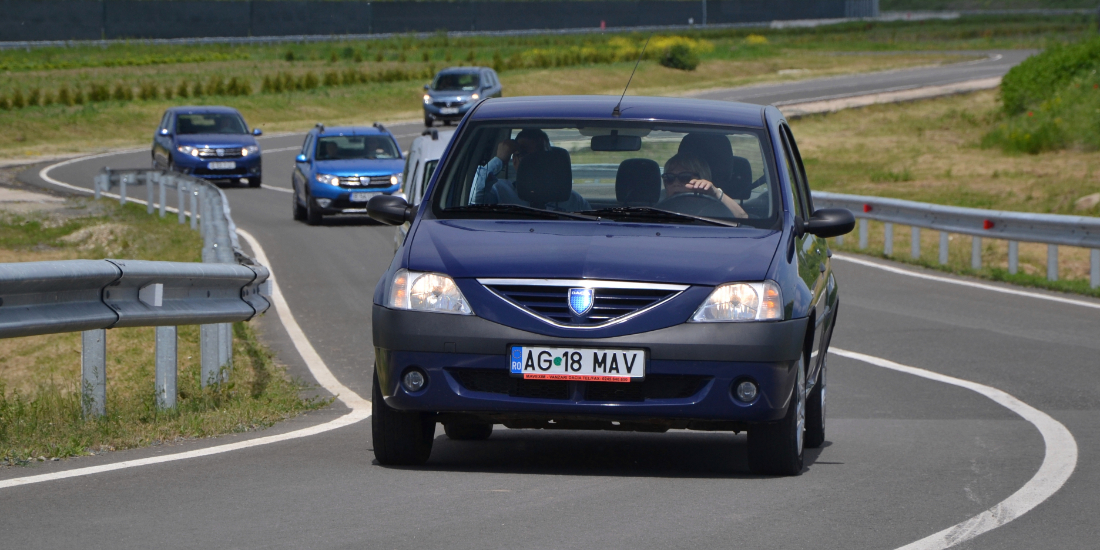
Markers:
(1040, 76)
(680, 57)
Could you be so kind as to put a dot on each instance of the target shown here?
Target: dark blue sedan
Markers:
(339, 169)
(579, 264)
(208, 142)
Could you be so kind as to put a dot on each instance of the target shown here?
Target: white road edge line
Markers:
(1058, 464)
(962, 282)
(273, 188)
(360, 408)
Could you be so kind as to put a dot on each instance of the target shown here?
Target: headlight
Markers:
(250, 150)
(741, 302)
(427, 99)
(417, 291)
(473, 97)
(327, 179)
(188, 150)
(394, 179)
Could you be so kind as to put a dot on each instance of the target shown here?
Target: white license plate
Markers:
(448, 110)
(361, 197)
(578, 364)
(228, 165)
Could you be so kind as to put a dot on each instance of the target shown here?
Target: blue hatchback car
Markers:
(208, 142)
(339, 169)
(581, 264)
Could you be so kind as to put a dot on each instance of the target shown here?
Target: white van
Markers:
(420, 163)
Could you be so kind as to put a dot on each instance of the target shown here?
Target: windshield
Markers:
(455, 82)
(210, 123)
(637, 172)
(356, 147)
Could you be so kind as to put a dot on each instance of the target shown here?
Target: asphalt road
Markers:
(905, 457)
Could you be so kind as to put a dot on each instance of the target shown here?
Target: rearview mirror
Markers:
(390, 210)
(164, 131)
(830, 222)
(616, 142)
(301, 158)
(257, 132)
(427, 86)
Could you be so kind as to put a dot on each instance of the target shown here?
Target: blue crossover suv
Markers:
(339, 169)
(577, 263)
(208, 142)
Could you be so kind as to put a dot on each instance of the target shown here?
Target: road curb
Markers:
(832, 105)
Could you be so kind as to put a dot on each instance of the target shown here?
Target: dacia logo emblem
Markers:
(220, 152)
(581, 300)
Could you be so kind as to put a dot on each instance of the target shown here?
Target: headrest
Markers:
(638, 182)
(716, 150)
(739, 186)
(545, 176)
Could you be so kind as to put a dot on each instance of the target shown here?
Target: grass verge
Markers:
(931, 151)
(40, 410)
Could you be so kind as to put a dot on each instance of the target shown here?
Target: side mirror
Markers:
(257, 132)
(164, 131)
(390, 210)
(301, 158)
(830, 222)
(427, 87)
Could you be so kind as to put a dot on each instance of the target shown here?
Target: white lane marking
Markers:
(273, 188)
(962, 282)
(280, 149)
(1058, 464)
(360, 408)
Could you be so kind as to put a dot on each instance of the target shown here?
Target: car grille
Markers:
(610, 302)
(447, 103)
(369, 181)
(655, 386)
(221, 153)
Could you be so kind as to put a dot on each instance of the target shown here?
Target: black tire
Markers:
(777, 448)
(297, 208)
(468, 431)
(428, 121)
(255, 181)
(400, 438)
(313, 216)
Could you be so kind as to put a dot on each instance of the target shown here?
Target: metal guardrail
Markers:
(92, 296)
(1015, 227)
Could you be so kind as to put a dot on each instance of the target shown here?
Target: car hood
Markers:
(684, 254)
(215, 140)
(359, 167)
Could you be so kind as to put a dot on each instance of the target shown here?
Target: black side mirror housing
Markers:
(830, 222)
(427, 87)
(390, 210)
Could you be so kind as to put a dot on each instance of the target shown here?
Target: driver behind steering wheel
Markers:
(685, 173)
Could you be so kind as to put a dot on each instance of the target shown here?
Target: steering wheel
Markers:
(695, 204)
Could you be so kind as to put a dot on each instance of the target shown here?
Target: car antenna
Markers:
(320, 127)
(616, 112)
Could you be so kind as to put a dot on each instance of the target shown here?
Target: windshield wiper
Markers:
(653, 214)
(518, 209)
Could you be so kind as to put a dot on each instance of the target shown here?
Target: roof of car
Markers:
(203, 109)
(450, 70)
(352, 131)
(632, 108)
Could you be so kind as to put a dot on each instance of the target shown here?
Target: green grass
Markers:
(950, 5)
(40, 409)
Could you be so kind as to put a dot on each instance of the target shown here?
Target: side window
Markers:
(164, 120)
(306, 145)
(796, 179)
(406, 177)
(429, 169)
(803, 182)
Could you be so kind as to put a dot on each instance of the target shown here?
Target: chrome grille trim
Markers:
(672, 289)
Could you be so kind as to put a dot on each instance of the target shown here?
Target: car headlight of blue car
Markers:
(434, 292)
(733, 302)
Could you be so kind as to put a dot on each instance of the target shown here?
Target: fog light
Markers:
(414, 380)
(745, 392)
(323, 203)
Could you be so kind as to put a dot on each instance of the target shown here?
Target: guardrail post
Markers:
(976, 252)
(840, 240)
(208, 344)
(194, 193)
(1052, 262)
(945, 240)
(180, 210)
(166, 367)
(148, 193)
(888, 243)
(225, 349)
(122, 181)
(202, 210)
(93, 372)
(160, 183)
(1094, 272)
(1013, 257)
(914, 243)
(862, 233)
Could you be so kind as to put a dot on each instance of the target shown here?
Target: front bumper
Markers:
(340, 197)
(250, 166)
(437, 114)
(690, 371)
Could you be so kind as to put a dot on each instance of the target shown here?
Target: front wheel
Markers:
(254, 181)
(297, 208)
(777, 448)
(313, 213)
(400, 438)
(428, 121)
